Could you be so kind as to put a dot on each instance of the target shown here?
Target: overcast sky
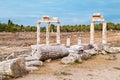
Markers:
(27, 12)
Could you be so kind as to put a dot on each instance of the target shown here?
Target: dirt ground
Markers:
(96, 68)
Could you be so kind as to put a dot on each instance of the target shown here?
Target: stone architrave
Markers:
(97, 17)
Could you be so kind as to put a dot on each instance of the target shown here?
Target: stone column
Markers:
(79, 41)
(92, 33)
(58, 33)
(68, 42)
(38, 33)
(48, 34)
(104, 32)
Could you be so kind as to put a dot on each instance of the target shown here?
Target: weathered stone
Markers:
(85, 56)
(98, 17)
(48, 60)
(11, 56)
(72, 58)
(68, 42)
(49, 52)
(34, 63)
(13, 67)
(74, 55)
(112, 57)
(76, 47)
(79, 41)
(47, 20)
(114, 49)
(30, 58)
(111, 49)
(31, 68)
(106, 48)
(91, 51)
(67, 60)
(72, 51)
(95, 46)
(103, 52)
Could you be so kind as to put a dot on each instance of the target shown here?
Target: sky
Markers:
(72, 12)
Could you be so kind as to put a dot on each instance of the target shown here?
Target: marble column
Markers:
(48, 34)
(68, 42)
(58, 33)
(79, 41)
(92, 33)
(38, 33)
(104, 33)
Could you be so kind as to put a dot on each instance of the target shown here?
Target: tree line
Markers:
(11, 27)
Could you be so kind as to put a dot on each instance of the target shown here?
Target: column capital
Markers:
(104, 22)
(92, 21)
(47, 22)
(38, 22)
(58, 22)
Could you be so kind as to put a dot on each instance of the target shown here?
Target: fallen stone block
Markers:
(72, 58)
(48, 60)
(34, 63)
(112, 57)
(114, 49)
(91, 51)
(30, 58)
(67, 60)
(31, 68)
(74, 55)
(11, 56)
(49, 52)
(85, 56)
(76, 47)
(103, 52)
(95, 46)
(72, 51)
(106, 48)
(13, 67)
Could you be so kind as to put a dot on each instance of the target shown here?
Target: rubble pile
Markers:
(84, 52)
(35, 58)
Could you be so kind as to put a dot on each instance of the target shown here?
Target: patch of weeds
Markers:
(117, 68)
(76, 61)
(66, 79)
(62, 73)
(89, 75)
(65, 73)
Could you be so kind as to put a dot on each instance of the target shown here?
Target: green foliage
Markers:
(11, 27)
(76, 61)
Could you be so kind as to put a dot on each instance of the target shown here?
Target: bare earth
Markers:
(96, 68)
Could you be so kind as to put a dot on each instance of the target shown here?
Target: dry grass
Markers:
(96, 68)
(29, 38)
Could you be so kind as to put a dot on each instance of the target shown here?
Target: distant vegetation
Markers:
(11, 27)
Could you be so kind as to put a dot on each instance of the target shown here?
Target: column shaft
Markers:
(38, 33)
(48, 34)
(92, 33)
(104, 33)
(58, 33)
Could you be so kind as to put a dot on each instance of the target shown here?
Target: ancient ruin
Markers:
(18, 63)
(47, 20)
(48, 51)
(97, 17)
